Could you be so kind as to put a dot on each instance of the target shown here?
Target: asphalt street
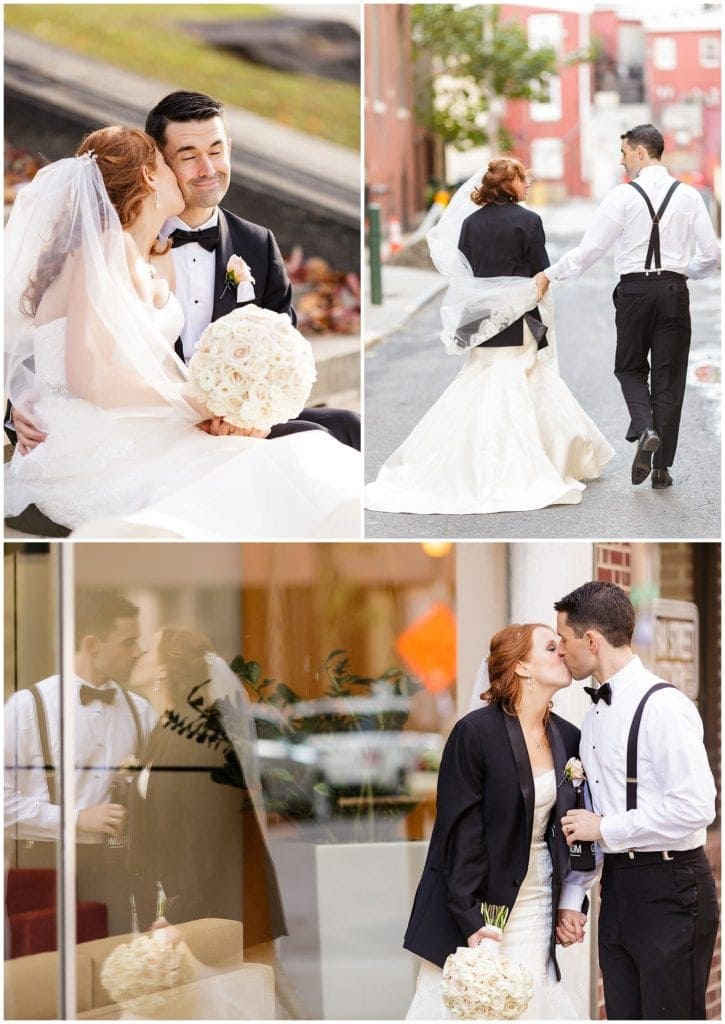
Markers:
(409, 369)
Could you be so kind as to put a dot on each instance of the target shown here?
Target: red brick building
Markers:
(547, 136)
(673, 66)
(396, 155)
(682, 76)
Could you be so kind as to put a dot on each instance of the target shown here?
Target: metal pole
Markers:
(376, 282)
(67, 887)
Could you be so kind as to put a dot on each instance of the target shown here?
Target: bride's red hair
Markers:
(497, 184)
(509, 646)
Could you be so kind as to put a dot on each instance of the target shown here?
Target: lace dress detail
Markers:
(526, 936)
(160, 476)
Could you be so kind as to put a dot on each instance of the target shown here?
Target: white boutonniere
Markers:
(239, 276)
(574, 772)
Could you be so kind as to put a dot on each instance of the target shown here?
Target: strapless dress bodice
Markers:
(49, 343)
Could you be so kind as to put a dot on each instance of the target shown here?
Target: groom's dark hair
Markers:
(601, 606)
(648, 136)
(96, 613)
(181, 106)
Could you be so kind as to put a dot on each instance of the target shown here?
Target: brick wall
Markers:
(688, 572)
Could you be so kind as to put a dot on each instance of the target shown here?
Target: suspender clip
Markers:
(666, 855)
(630, 854)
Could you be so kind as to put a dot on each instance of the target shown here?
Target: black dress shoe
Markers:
(661, 479)
(649, 442)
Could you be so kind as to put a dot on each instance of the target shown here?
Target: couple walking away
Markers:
(507, 435)
(117, 260)
(506, 812)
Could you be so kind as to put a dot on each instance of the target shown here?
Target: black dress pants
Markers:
(657, 928)
(343, 424)
(653, 344)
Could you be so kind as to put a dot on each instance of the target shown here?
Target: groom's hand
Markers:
(570, 927)
(219, 427)
(581, 826)
(542, 283)
(28, 435)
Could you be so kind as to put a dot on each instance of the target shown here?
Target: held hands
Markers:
(219, 427)
(483, 933)
(542, 284)
(581, 826)
(108, 818)
(28, 435)
(570, 927)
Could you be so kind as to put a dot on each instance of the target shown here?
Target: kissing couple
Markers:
(507, 435)
(506, 817)
(117, 261)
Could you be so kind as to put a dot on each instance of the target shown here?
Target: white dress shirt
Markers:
(194, 270)
(105, 735)
(675, 787)
(622, 220)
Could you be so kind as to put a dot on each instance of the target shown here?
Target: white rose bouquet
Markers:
(480, 983)
(136, 973)
(253, 368)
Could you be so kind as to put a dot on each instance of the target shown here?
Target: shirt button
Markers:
(196, 302)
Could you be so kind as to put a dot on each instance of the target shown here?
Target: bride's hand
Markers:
(570, 927)
(28, 435)
(483, 933)
(219, 427)
(542, 284)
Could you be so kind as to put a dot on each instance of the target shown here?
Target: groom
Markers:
(653, 796)
(191, 131)
(654, 222)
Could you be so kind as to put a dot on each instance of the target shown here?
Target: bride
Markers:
(507, 434)
(497, 835)
(91, 321)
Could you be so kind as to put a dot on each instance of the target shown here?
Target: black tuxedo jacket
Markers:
(201, 839)
(479, 849)
(258, 248)
(505, 240)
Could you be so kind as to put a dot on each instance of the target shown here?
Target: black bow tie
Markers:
(89, 693)
(208, 238)
(603, 692)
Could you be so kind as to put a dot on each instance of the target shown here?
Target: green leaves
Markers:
(468, 60)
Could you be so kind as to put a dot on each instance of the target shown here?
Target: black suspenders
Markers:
(654, 238)
(42, 717)
(632, 746)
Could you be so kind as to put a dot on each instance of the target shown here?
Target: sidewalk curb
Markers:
(398, 320)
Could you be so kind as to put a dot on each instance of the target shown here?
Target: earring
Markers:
(531, 685)
(158, 201)
(157, 685)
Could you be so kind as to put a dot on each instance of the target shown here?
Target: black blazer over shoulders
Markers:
(505, 240)
(479, 849)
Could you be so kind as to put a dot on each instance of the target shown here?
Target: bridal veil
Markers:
(474, 309)
(65, 259)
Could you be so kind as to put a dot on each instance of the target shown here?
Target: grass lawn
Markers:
(149, 39)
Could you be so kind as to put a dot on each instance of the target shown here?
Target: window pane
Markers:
(32, 793)
(257, 734)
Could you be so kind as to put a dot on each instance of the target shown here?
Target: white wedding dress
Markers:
(506, 435)
(108, 475)
(526, 936)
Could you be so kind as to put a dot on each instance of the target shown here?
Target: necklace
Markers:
(152, 269)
